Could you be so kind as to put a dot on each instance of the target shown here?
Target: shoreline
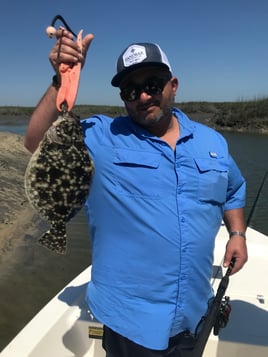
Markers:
(14, 120)
(21, 121)
(17, 218)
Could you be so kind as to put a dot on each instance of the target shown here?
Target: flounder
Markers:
(58, 178)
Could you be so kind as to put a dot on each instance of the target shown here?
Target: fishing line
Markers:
(256, 199)
(51, 31)
(218, 271)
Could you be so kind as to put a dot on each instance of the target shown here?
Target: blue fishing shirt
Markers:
(154, 214)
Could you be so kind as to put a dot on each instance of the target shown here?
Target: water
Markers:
(250, 152)
(31, 275)
(20, 129)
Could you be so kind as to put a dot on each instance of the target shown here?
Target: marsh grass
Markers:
(241, 115)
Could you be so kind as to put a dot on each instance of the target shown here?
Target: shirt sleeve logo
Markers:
(213, 154)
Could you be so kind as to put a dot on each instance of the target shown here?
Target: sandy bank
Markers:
(17, 218)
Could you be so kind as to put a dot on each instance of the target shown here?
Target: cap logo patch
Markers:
(134, 54)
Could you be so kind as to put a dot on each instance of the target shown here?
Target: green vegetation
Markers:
(243, 115)
(10, 111)
(85, 111)
(249, 115)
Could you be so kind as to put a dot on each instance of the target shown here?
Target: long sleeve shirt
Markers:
(154, 214)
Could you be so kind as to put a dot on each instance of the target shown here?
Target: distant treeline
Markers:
(251, 115)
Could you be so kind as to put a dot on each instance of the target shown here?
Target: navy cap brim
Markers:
(117, 79)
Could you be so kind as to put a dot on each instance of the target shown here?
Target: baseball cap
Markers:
(139, 55)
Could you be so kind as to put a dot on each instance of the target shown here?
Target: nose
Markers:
(144, 96)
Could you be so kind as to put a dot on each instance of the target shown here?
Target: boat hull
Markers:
(61, 328)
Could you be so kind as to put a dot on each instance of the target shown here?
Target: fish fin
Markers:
(55, 239)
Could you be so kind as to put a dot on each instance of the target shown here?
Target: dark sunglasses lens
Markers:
(130, 94)
(153, 86)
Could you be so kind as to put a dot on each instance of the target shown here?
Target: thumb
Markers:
(227, 259)
(86, 42)
(85, 45)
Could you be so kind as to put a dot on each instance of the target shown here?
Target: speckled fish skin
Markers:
(58, 178)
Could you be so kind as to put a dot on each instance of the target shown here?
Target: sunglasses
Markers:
(152, 86)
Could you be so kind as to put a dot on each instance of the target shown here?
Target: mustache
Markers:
(149, 104)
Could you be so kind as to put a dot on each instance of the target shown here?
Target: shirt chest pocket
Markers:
(212, 180)
(136, 173)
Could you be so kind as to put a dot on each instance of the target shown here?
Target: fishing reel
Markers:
(223, 315)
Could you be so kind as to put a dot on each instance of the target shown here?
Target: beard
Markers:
(152, 114)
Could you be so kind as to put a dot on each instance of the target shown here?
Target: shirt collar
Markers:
(187, 127)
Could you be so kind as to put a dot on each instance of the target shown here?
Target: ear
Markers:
(175, 84)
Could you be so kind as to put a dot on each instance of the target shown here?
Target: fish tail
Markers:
(55, 239)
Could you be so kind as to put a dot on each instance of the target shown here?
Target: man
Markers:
(162, 186)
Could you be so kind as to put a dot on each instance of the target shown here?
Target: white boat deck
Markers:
(246, 335)
(61, 327)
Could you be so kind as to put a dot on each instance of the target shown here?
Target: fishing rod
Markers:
(218, 313)
(256, 200)
(216, 317)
